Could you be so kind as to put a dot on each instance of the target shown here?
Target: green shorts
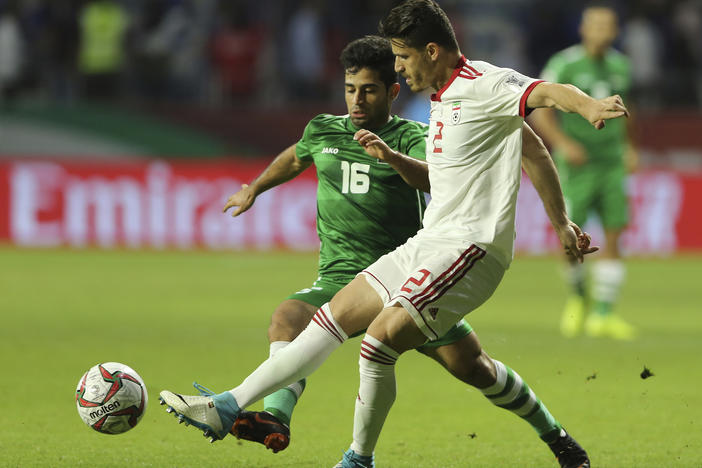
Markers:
(324, 289)
(597, 188)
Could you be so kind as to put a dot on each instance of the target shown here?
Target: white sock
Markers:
(575, 277)
(276, 346)
(295, 361)
(297, 388)
(608, 277)
(376, 394)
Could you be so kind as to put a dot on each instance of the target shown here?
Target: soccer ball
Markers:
(111, 398)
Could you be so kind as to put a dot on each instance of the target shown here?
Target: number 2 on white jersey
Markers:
(354, 176)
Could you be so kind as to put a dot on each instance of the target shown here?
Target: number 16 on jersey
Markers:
(354, 177)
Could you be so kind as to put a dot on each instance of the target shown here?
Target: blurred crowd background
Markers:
(128, 122)
(200, 61)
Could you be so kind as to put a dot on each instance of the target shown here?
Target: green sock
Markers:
(512, 393)
(602, 308)
(282, 403)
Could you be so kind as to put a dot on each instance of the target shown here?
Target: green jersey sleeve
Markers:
(413, 140)
(303, 148)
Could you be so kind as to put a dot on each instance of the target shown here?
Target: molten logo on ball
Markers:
(111, 398)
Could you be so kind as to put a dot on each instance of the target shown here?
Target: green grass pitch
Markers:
(182, 316)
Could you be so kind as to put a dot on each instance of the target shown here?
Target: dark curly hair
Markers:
(372, 52)
(417, 23)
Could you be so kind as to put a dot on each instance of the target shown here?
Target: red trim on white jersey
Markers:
(525, 96)
(460, 67)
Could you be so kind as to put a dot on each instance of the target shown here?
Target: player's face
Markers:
(413, 64)
(368, 100)
(599, 28)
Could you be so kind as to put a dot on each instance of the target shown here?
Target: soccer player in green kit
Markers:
(593, 168)
(365, 209)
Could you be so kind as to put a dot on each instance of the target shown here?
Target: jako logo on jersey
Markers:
(330, 150)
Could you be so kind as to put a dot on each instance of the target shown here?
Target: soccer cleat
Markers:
(352, 460)
(568, 452)
(213, 414)
(573, 315)
(262, 427)
(609, 326)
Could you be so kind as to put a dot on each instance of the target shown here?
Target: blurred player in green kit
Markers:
(593, 167)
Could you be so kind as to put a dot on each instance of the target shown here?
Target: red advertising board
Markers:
(154, 204)
(178, 204)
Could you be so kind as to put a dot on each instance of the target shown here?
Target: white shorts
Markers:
(438, 281)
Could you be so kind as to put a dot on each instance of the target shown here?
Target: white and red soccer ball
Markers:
(111, 398)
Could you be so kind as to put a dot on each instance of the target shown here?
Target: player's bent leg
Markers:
(467, 361)
(575, 309)
(289, 319)
(309, 350)
(608, 277)
(391, 333)
(297, 360)
(512, 393)
(271, 427)
(579, 189)
(287, 322)
(356, 305)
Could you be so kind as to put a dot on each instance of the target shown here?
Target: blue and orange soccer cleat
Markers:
(213, 414)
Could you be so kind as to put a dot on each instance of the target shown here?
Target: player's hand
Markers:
(573, 152)
(575, 242)
(374, 145)
(243, 199)
(607, 108)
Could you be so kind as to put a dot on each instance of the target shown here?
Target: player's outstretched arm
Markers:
(284, 167)
(412, 171)
(538, 165)
(568, 98)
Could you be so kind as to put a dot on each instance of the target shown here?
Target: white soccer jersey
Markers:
(474, 153)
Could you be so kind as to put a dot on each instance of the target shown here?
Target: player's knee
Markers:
(484, 373)
(287, 322)
(478, 371)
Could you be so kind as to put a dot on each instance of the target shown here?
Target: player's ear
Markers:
(394, 90)
(432, 51)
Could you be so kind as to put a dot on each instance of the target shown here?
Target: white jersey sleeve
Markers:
(502, 91)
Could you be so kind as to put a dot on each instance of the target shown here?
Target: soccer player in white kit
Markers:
(456, 261)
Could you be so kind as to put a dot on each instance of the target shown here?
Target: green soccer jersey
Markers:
(598, 78)
(364, 208)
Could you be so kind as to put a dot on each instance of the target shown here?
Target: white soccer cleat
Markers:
(214, 415)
